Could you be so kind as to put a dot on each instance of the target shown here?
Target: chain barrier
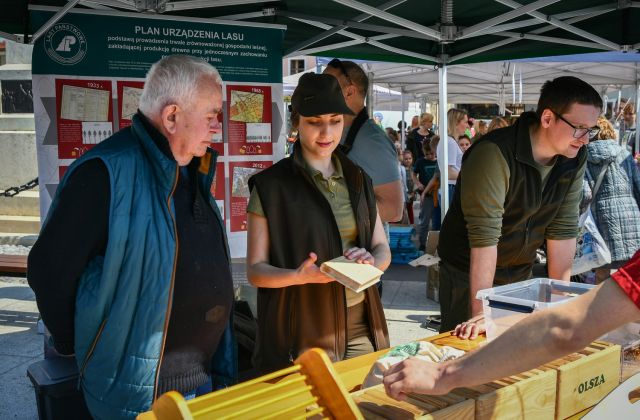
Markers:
(13, 191)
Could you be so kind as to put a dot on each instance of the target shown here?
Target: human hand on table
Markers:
(415, 375)
(361, 255)
(471, 328)
(309, 272)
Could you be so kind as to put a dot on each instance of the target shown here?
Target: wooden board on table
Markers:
(447, 339)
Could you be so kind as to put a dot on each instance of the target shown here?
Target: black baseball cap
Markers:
(318, 94)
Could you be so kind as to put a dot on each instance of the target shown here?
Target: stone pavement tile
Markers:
(389, 290)
(11, 292)
(9, 362)
(405, 325)
(17, 397)
(23, 306)
(19, 340)
(411, 294)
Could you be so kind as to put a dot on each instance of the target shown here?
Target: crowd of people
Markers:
(132, 270)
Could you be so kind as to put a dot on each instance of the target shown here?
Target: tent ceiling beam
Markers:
(54, 19)
(252, 15)
(206, 4)
(505, 17)
(481, 49)
(436, 35)
(511, 40)
(589, 10)
(355, 25)
(563, 25)
(326, 34)
(113, 3)
(371, 41)
(553, 40)
(95, 5)
(508, 27)
(587, 13)
(339, 45)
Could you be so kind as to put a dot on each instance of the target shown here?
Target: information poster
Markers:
(88, 77)
(83, 108)
(239, 174)
(249, 110)
(129, 92)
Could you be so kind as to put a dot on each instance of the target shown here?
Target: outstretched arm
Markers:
(539, 338)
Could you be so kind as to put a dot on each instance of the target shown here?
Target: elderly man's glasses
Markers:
(579, 132)
(336, 63)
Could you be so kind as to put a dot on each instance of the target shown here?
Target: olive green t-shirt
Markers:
(485, 186)
(335, 190)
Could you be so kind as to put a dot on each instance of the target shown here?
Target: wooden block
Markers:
(584, 381)
(457, 343)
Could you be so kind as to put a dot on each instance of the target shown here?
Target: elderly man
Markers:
(131, 270)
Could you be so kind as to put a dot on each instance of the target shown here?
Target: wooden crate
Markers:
(375, 404)
(528, 395)
(585, 377)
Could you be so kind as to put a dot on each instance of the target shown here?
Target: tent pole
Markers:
(403, 131)
(442, 130)
(637, 148)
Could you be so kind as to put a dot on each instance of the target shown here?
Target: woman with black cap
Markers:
(311, 207)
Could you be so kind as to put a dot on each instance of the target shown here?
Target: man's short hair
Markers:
(174, 80)
(560, 93)
(354, 73)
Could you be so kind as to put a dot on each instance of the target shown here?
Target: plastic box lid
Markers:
(534, 294)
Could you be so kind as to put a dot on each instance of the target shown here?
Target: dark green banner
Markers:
(125, 46)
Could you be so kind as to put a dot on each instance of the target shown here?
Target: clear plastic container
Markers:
(628, 336)
(504, 306)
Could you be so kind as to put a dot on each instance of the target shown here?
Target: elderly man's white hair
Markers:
(174, 80)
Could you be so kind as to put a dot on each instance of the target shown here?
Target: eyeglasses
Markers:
(579, 132)
(336, 63)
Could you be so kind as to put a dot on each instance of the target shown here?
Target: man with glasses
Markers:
(367, 144)
(518, 187)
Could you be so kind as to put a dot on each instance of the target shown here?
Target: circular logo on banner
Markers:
(65, 44)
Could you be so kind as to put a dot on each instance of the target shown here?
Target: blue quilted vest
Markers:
(124, 298)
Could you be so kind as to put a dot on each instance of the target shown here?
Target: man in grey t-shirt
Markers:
(366, 144)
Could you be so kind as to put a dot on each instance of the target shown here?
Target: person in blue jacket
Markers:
(131, 270)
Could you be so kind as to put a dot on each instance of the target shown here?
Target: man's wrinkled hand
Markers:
(470, 329)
